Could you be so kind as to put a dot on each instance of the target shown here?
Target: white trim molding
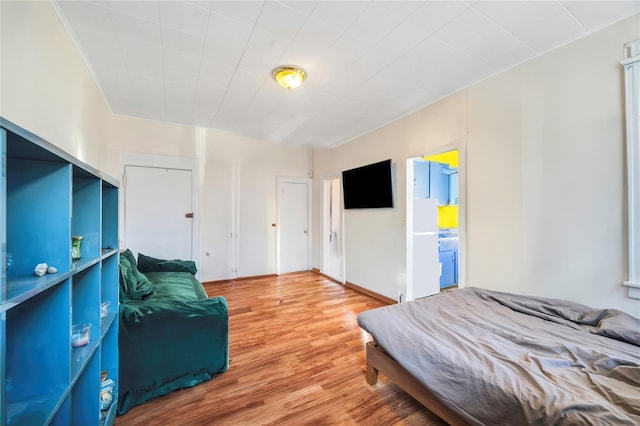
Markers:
(631, 64)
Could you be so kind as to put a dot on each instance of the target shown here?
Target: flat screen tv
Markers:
(368, 187)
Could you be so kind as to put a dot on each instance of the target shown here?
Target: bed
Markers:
(475, 356)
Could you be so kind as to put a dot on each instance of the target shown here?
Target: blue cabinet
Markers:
(448, 256)
(453, 188)
(441, 184)
(421, 179)
(46, 198)
(435, 180)
(448, 261)
(438, 183)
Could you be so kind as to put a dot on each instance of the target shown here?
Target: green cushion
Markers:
(133, 284)
(152, 264)
(128, 259)
(176, 285)
(126, 281)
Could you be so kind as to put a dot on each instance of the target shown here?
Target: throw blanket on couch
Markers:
(171, 334)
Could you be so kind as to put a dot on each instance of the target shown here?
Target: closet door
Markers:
(159, 212)
(293, 201)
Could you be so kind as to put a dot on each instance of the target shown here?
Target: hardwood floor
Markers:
(296, 357)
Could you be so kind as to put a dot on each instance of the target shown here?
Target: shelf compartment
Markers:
(108, 323)
(109, 363)
(37, 356)
(109, 216)
(21, 288)
(3, 344)
(63, 414)
(106, 253)
(109, 291)
(36, 409)
(79, 358)
(86, 302)
(85, 396)
(3, 287)
(108, 417)
(86, 212)
(3, 246)
(109, 352)
(83, 263)
(38, 199)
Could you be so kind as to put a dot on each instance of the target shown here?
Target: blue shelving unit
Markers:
(3, 278)
(46, 197)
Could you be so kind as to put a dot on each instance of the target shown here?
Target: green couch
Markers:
(171, 334)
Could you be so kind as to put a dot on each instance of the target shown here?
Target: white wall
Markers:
(375, 255)
(546, 201)
(560, 166)
(47, 89)
(238, 197)
(237, 190)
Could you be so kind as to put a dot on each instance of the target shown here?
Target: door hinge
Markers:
(189, 215)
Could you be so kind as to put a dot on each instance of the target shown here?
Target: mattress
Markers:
(501, 358)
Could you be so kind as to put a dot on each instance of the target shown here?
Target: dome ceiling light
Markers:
(289, 76)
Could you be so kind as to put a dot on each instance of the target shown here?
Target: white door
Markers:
(293, 225)
(158, 212)
(332, 240)
(423, 265)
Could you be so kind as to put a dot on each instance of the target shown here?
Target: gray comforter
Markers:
(500, 358)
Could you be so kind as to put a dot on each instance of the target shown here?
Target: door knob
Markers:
(305, 231)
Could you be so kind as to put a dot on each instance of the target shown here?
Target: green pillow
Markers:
(144, 287)
(133, 284)
(126, 281)
(151, 264)
(128, 259)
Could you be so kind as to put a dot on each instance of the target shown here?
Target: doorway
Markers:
(332, 240)
(293, 242)
(434, 203)
(158, 211)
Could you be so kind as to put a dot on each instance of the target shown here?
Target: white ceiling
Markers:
(209, 63)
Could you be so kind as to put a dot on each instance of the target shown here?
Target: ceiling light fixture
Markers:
(289, 76)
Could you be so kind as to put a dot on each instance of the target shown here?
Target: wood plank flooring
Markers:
(296, 357)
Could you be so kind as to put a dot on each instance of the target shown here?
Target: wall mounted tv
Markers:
(368, 187)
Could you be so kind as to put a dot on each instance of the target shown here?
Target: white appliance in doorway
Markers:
(158, 212)
(423, 264)
(424, 270)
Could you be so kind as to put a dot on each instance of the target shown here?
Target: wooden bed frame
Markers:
(379, 361)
